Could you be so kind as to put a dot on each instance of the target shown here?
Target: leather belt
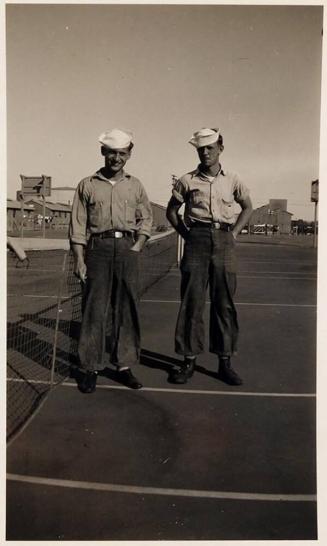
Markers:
(112, 233)
(223, 226)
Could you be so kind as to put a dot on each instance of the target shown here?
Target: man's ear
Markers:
(221, 146)
(103, 150)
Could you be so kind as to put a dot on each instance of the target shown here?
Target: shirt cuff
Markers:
(178, 196)
(78, 241)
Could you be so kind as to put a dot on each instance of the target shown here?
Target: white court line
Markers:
(173, 391)
(277, 261)
(241, 303)
(264, 272)
(37, 296)
(140, 490)
(282, 272)
(266, 277)
(277, 278)
(30, 269)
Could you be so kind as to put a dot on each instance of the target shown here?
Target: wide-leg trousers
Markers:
(110, 318)
(209, 258)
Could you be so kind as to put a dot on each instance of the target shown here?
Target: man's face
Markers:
(115, 160)
(209, 155)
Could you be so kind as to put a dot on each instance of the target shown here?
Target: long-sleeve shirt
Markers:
(207, 198)
(100, 205)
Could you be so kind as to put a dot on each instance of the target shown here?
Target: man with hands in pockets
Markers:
(110, 223)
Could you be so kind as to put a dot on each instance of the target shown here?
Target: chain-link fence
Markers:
(43, 321)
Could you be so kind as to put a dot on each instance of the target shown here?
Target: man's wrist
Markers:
(182, 230)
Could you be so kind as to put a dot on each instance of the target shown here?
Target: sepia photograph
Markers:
(163, 164)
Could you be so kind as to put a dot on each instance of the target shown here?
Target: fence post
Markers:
(59, 310)
(180, 249)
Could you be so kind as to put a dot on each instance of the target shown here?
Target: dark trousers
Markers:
(110, 320)
(209, 258)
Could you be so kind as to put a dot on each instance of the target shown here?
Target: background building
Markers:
(14, 214)
(57, 211)
(56, 214)
(273, 214)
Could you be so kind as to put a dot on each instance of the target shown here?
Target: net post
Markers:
(59, 309)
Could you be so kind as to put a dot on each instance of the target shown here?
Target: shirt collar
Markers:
(99, 175)
(200, 174)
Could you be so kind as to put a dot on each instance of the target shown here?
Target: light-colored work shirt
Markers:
(209, 199)
(99, 206)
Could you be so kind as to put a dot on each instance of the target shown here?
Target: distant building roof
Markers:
(52, 206)
(13, 204)
(268, 208)
(66, 188)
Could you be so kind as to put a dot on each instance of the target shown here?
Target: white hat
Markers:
(203, 137)
(116, 139)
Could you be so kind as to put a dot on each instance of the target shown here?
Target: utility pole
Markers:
(315, 200)
(43, 205)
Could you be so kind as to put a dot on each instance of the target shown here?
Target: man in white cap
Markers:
(209, 230)
(110, 223)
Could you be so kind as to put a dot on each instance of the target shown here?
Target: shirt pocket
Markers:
(129, 213)
(95, 213)
(227, 202)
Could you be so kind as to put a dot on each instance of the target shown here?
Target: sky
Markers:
(163, 72)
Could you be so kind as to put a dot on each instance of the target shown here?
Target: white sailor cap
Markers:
(203, 137)
(116, 139)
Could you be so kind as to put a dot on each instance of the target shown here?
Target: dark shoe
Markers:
(128, 379)
(227, 374)
(179, 377)
(87, 385)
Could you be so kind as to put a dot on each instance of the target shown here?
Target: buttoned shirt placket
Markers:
(212, 181)
(113, 184)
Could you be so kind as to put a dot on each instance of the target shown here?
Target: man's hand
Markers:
(80, 270)
(79, 263)
(139, 244)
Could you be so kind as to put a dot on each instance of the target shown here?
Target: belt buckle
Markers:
(216, 225)
(118, 235)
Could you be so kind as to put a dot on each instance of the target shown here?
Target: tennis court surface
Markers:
(201, 461)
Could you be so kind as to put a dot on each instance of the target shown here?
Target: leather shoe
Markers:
(128, 379)
(179, 377)
(88, 383)
(227, 374)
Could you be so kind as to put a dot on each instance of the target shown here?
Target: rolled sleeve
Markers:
(241, 191)
(78, 221)
(179, 190)
(145, 210)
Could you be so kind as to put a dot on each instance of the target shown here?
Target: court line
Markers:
(31, 269)
(37, 296)
(242, 303)
(144, 490)
(267, 277)
(280, 272)
(176, 301)
(241, 260)
(172, 391)
(277, 278)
